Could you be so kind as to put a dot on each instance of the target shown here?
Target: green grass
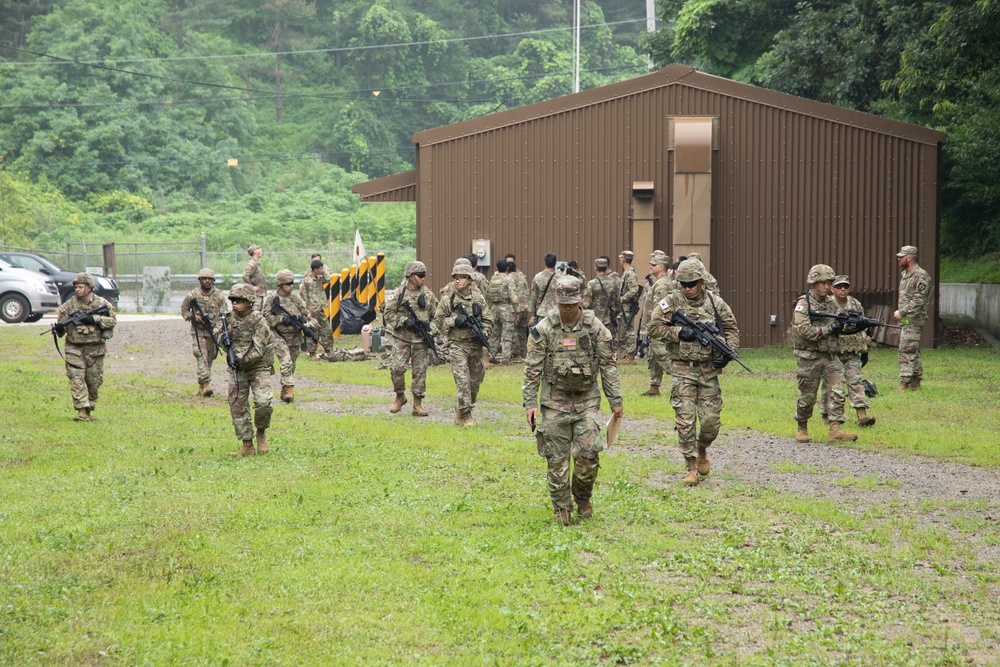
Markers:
(378, 539)
(984, 269)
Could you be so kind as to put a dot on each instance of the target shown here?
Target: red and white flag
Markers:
(359, 249)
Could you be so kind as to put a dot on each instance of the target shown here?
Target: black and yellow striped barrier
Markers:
(364, 278)
(344, 293)
(332, 310)
(379, 279)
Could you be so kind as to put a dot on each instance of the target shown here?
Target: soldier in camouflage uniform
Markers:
(287, 337)
(658, 354)
(464, 351)
(254, 275)
(853, 351)
(566, 352)
(502, 298)
(446, 291)
(315, 297)
(817, 350)
(85, 344)
(695, 394)
(326, 277)
(915, 287)
(212, 303)
(543, 294)
(253, 343)
(628, 296)
(601, 296)
(522, 312)
(410, 349)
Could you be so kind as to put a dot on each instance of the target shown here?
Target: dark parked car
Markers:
(104, 287)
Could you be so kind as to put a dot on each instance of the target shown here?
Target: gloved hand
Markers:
(687, 334)
(87, 319)
(461, 322)
(286, 320)
(60, 328)
(836, 328)
(410, 324)
(720, 361)
(864, 359)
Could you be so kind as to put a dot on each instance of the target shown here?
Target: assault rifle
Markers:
(76, 317)
(424, 329)
(474, 324)
(612, 315)
(853, 321)
(707, 333)
(641, 346)
(206, 322)
(227, 341)
(632, 310)
(296, 321)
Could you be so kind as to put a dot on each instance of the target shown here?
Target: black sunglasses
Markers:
(239, 300)
(420, 275)
(688, 284)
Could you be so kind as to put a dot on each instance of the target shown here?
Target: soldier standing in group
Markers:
(326, 277)
(817, 350)
(853, 352)
(254, 275)
(543, 293)
(316, 299)
(478, 279)
(85, 344)
(464, 351)
(915, 287)
(695, 394)
(522, 311)
(658, 354)
(566, 352)
(410, 349)
(502, 299)
(213, 303)
(253, 345)
(601, 296)
(445, 292)
(288, 337)
(628, 296)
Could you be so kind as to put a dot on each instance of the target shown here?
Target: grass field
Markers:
(368, 538)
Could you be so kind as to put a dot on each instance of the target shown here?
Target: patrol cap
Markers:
(659, 257)
(414, 267)
(206, 273)
(463, 260)
(627, 255)
(842, 280)
(568, 290)
(601, 263)
(252, 249)
(242, 291)
(690, 270)
(907, 250)
(820, 273)
(462, 269)
(284, 277)
(84, 279)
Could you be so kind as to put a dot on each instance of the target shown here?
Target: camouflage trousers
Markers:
(323, 331)
(521, 334)
(287, 354)
(467, 368)
(205, 351)
(565, 434)
(695, 396)
(855, 390)
(503, 333)
(415, 356)
(911, 366)
(626, 342)
(85, 370)
(827, 368)
(657, 359)
(241, 385)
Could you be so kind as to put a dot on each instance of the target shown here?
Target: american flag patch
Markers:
(569, 342)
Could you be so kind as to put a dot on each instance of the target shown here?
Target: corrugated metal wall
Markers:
(790, 190)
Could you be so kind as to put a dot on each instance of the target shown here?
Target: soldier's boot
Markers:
(313, 357)
(837, 434)
(915, 384)
(584, 509)
(654, 390)
(826, 419)
(865, 419)
(691, 478)
(628, 360)
(903, 386)
(398, 404)
(703, 465)
(802, 432)
(467, 419)
(418, 410)
(564, 515)
(262, 447)
(202, 387)
(287, 393)
(83, 416)
(246, 450)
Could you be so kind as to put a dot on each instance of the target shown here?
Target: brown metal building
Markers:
(763, 184)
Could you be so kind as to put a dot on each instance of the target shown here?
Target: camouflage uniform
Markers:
(287, 338)
(253, 343)
(464, 351)
(628, 297)
(254, 275)
(85, 347)
(410, 350)
(850, 347)
(314, 294)
(601, 296)
(709, 281)
(565, 361)
(816, 348)
(522, 314)
(658, 355)
(502, 298)
(915, 287)
(543, 294)
(695, 393)
(213, 303)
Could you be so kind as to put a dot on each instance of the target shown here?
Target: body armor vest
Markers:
(571, 360)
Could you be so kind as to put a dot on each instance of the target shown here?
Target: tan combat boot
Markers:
(628, 360)
(467, 419)
(246, 450)
(836, 434)
(262, 447)
(287, 393)
(802, 432)
(458, 416)
(564, 515)
(702, 464)
(398, 404)
(691, 478)
(584, 509)
(915, 384)
(654, 390)
(903, 386)
(418, 410)
(83, 416)
(864, 419)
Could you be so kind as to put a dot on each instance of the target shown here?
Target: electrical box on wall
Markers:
(481, 249)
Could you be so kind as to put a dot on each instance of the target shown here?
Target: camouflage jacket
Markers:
(294, 304)
(565, 361)
(706, 307)
(812, 338)
(522, 292)
(212, 303)
(543, 294)
(253, 274)
(86, 334)
(852, 343)
(629, 291)
(657, 292)
(915, 287)
(500, 290)
(601, 296)
(313, 293)
(444, 316)
(396, 313)
(253, 340)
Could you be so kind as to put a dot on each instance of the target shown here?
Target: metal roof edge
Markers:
(385, 184)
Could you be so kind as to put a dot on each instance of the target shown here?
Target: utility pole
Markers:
(576, 46)
(650, 23)
(3, 207)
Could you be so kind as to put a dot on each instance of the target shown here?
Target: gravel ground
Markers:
(937, 493)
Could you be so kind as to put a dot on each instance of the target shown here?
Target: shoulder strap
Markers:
(544, 292)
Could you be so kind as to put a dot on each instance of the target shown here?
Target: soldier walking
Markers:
(254, 275)
(543, 293)
(287, 336)
(658, 354)
(628, 296)
(695, 393)
(601, 296)
(316, 299)
(853, 352)
(567, 351)
(502, 299)
(410, 349)
(915, 288)
(212, 303)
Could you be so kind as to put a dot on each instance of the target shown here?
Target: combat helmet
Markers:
(462, 269)
(820, 273)
(243, 291)
(206, 273)
(84, 279)
(414, 267)
(689, 271)
(284, 277)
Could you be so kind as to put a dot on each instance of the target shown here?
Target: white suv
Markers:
(24, 295)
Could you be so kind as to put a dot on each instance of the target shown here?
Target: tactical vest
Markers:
(496, 292)
(824, 344)
(571, 360)
(86, 334)
(852, 343)
(243, 331)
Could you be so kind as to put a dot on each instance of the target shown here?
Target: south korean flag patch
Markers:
(663, 305)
